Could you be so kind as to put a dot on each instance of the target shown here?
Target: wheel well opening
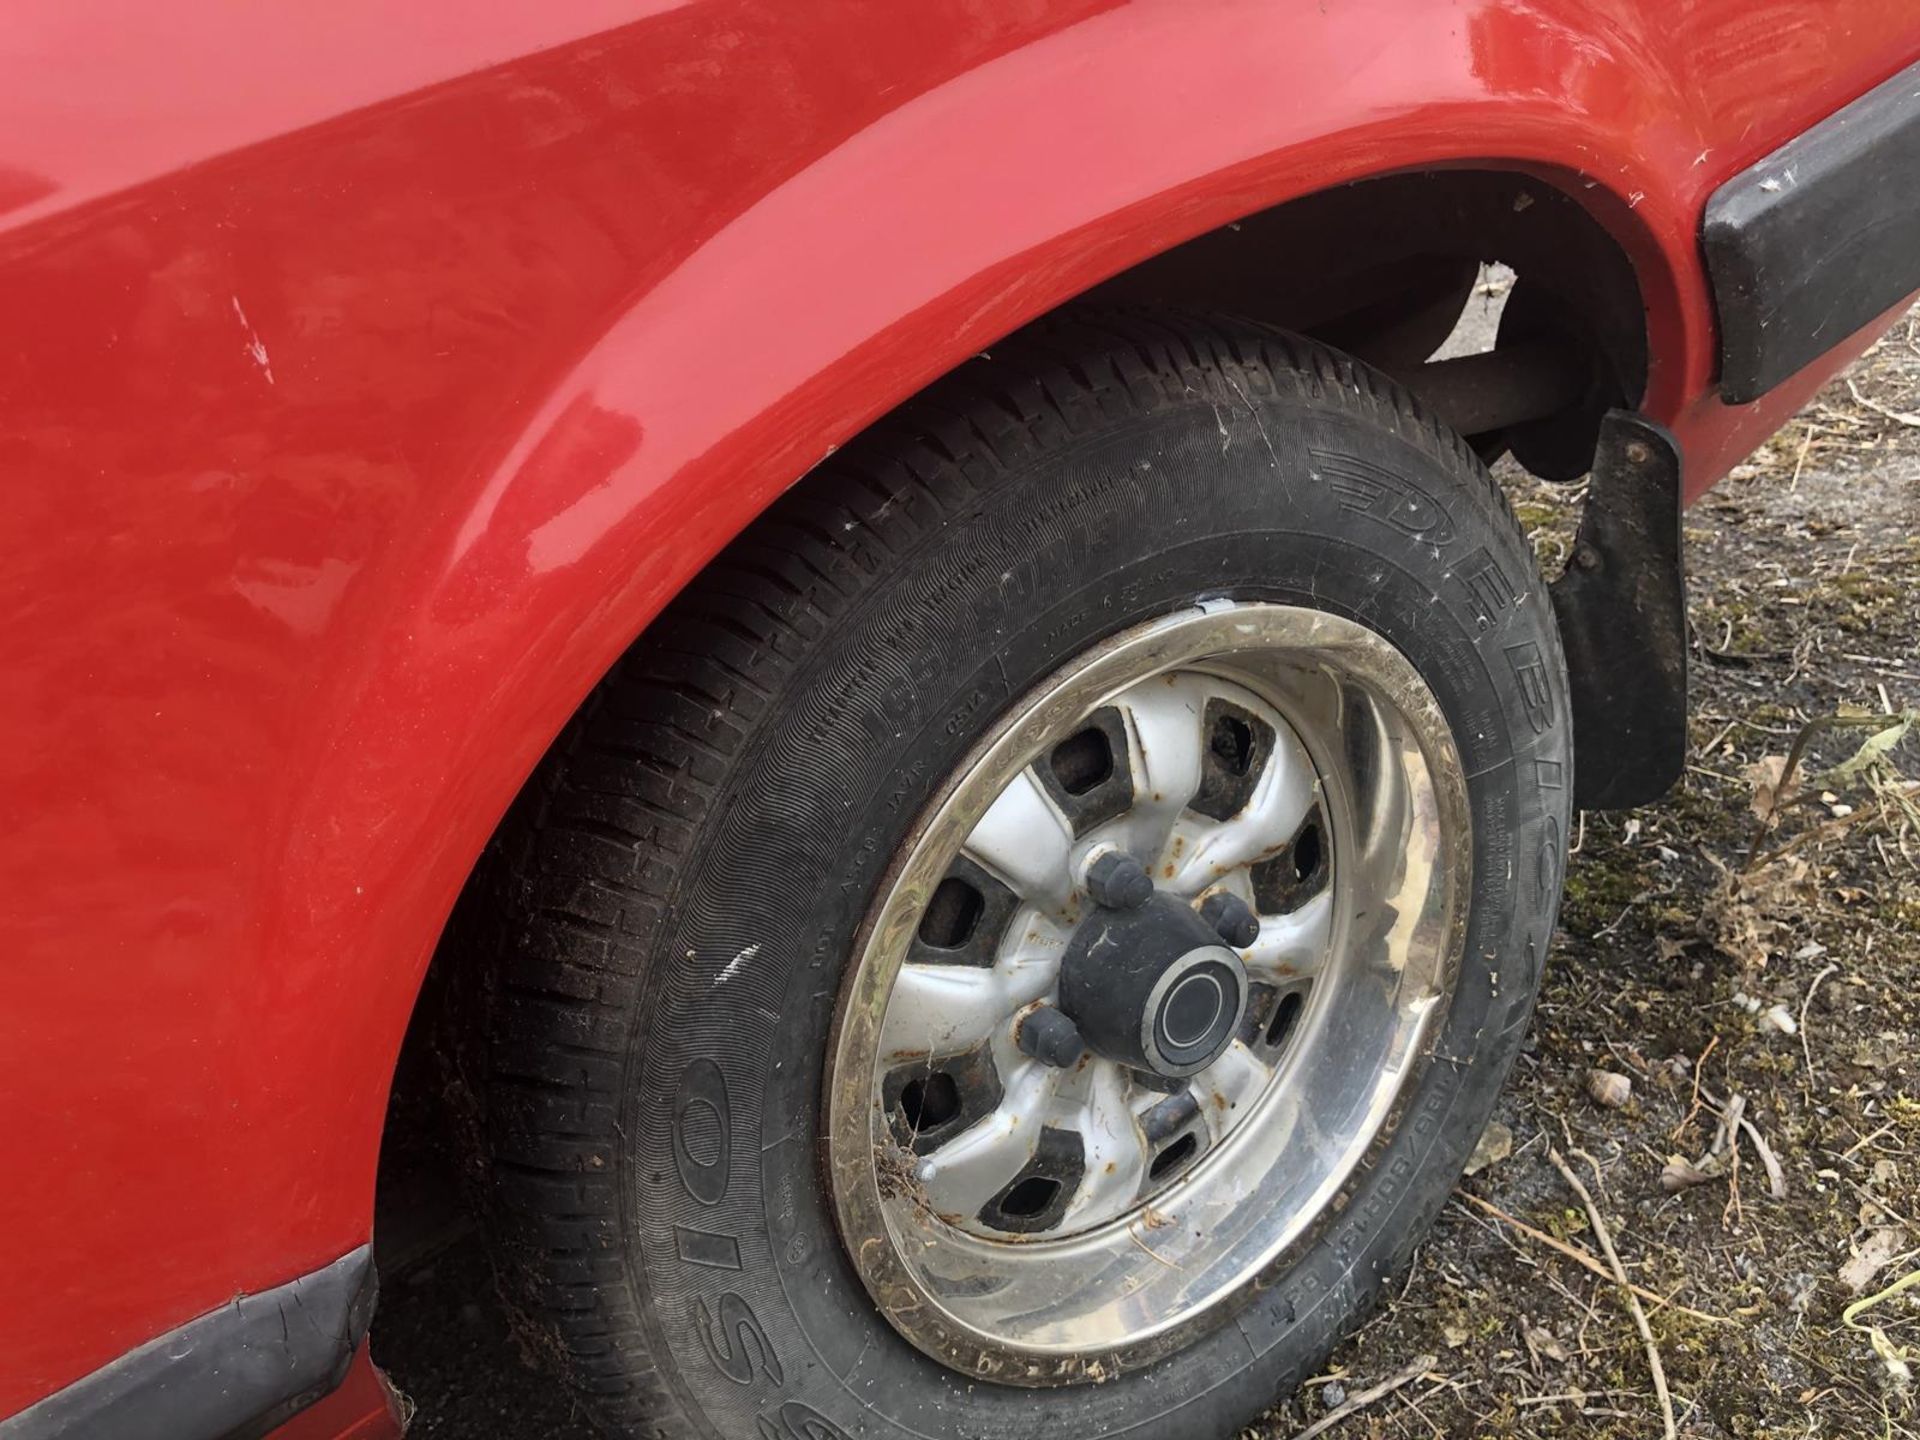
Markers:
(1385, 269)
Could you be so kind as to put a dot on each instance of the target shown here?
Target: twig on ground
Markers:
(1882, 1206)
(1865, 1140)
(1825, 830)
(1605, 1237)
(1733, 1206)
(1806, 1004)
(1412, 1372)
(1900, 417)
(1726, 1132)
(1776, 1177)
(1413, 1406)
(1726, 1147)
(1723, 1157)
(1800, 463)
(1694, 1108)
(1586, 1260)
(1578, 1397)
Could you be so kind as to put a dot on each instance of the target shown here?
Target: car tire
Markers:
(678, 917)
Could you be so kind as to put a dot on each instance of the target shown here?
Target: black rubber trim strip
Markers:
(1817, 239)
(233, 1374)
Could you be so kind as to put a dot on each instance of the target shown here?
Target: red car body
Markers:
(371, 375)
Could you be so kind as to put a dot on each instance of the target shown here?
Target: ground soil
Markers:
(1674, 947)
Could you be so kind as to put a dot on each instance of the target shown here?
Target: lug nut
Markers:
(1051, 1038)
(1232, 919)
(1118, 881)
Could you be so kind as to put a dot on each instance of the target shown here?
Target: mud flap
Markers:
(1621, 606)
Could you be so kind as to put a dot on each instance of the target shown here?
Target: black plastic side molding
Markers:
(232, 1374)
(1817, 239)
(1622, 608)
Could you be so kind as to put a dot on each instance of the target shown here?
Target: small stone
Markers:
(1496, 1144)
(1608, 1088)
(1334, 1394)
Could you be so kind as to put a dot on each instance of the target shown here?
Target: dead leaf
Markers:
(1875, 750)
(1541, 1341)
(1751, 914)
(1680, 1173)
(1765, 775)
(1495, 1145)
(1876, 1252)
(1666, 951)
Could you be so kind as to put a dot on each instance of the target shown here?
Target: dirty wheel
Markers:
(1025, 945)
(1146, 987)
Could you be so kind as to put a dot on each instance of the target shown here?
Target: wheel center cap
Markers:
(1152, 987)
(1191, 1010)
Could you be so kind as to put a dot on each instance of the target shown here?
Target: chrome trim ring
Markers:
(1018, 1218)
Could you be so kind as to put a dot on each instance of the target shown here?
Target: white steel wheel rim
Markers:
(1135, 1263)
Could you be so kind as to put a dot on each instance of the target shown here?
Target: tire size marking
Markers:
(1536, 685)
(960, 719)
(794, 1421)
(706, 1247)
(1520, 1006)
(735, 1340)
(700, 1114)
(1547, 863)
(739, 1346)
(1489, 592)
(1376, 492)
